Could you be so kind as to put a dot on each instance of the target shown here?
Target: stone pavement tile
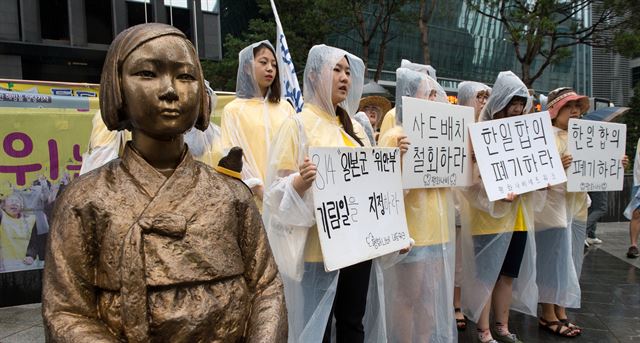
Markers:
(9, 329)
(615, 238)
(616, 311)
(25, 314)
(623, 329)
(592, 336)
(34, 334)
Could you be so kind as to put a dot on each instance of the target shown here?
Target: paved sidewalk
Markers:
(610, 301)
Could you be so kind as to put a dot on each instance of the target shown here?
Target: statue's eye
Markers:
(187, 77)
(145, 73)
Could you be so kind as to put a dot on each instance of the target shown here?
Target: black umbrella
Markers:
(373, 88)
(606, 113)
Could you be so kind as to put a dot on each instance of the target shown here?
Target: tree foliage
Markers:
(547, 29)
(305, 23)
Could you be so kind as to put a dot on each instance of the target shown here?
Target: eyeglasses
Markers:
(482, 97)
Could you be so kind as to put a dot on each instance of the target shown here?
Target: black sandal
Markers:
(570, 325)
(461, 324)
(547, 325)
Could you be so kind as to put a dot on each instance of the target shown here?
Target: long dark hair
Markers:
(503, 112)
(347, 125)
(274, 95)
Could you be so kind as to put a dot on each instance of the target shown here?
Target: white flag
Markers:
(288, 79)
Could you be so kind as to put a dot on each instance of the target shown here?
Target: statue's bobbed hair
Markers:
(111, 96)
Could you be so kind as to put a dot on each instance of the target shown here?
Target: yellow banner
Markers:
(41, 143)
(50, 88)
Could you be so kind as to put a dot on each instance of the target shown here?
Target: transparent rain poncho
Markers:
(289, 218)
(487, 227)
(419, 288)
(467, 91)
(250, 121)
(556, 238)
(104, 145)
(363, 120)
(421, 68)
(635, 197)
(389, 120)
(506, 87)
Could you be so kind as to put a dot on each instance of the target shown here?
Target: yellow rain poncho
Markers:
(289, 218)
(389, 120)
(557, 278)
(488, 226)
(419, 288)
(251, 121)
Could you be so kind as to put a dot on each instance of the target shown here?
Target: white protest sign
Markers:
(440, 151)
(288, 78)
(359, 204)
(517, 154)
(597, 149)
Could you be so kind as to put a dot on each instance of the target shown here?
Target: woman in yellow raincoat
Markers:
(389, 120)
(418, 288)
(333, 82)
(498, 252)
(252, 119)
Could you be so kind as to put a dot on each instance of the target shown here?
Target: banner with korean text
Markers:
(440, 150)
(41, 153)
(597, 149)
(359, 204)
(288, 79)
(517, 154)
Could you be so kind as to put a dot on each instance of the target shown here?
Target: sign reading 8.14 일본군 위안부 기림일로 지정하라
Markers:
(359, 205)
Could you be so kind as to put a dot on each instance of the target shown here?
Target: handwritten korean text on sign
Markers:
(516, 154)
(597, 149)
(359, 204)
(439, 155)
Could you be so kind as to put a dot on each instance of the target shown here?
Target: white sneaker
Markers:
(586, 244)
(594, 240)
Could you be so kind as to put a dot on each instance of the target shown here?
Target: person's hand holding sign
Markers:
(302, 182)
(566, 160)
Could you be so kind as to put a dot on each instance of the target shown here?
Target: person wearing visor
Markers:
(375, 107)
(252, 119)
(560, 227)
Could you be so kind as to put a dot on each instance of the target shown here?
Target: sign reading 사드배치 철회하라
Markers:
(440, 150)
(358, 204)
(597, 149)
(517, 154)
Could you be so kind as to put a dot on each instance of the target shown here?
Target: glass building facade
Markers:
(466, 45)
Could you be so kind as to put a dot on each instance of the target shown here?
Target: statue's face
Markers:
(161, 88)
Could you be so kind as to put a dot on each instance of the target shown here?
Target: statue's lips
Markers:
(169, 113)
